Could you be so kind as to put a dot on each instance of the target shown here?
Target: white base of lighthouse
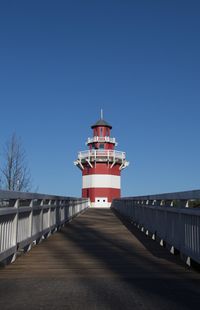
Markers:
(101, 202)
(103, 205)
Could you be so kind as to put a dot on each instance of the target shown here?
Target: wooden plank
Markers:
(98, 262)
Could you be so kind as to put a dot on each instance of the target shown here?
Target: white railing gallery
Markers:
(96, 139)
(92, 155)
(173, 219)
(27, 218)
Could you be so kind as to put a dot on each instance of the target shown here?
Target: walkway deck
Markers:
(95, 262)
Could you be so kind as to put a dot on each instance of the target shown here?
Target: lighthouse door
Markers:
(101, 202)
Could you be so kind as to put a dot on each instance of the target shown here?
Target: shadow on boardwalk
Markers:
(95, 262)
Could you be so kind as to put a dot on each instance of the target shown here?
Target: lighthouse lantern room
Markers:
(101, 166)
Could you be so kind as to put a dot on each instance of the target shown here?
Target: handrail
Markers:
(185, 195)
(27, 218)
(27, 195)
(171, 218)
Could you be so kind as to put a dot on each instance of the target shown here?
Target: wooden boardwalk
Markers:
(96, 262)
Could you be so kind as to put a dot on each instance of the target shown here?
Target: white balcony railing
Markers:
(97, 139)
(101, 155)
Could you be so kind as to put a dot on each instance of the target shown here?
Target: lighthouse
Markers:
(101, 166)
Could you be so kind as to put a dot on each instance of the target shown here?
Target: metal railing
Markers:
(27, 218)
(106, 155)
(98, 139)
(173, 219)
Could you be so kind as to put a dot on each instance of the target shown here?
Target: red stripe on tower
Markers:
(101, 166)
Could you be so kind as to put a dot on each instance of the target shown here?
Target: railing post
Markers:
(58, 213)
(49, 218)
(41, 218)
(15, 230)
(30, 224)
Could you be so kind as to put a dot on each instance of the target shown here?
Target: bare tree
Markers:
(15, 173)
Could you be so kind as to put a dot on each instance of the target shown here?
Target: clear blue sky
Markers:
(61, 61)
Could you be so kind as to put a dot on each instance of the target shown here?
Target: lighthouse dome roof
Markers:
(102, 123)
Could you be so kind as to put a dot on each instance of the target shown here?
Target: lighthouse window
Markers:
(107, 132)
(101, 146)
(101, 132)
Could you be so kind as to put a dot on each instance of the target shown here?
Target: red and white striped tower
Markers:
(101, 166)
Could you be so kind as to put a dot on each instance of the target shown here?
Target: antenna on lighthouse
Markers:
(101, 113)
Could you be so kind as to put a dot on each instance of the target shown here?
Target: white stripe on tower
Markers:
(101, 181)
